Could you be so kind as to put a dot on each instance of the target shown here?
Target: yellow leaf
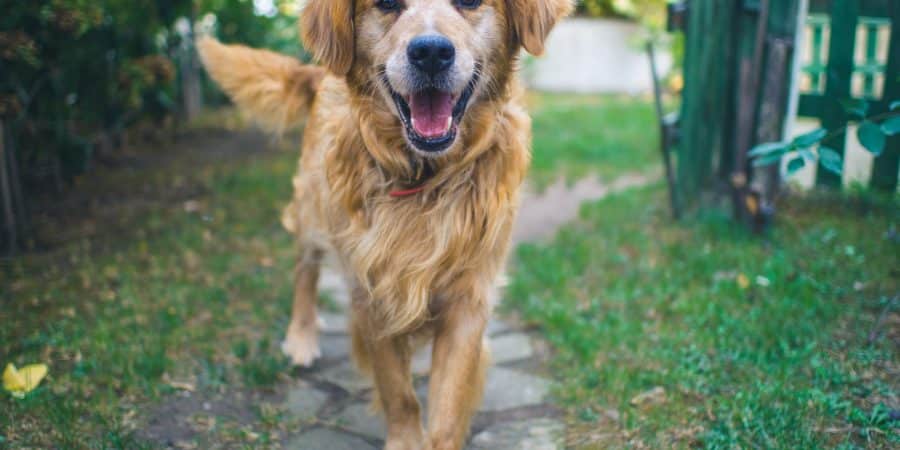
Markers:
(22, 381)
(743, 281)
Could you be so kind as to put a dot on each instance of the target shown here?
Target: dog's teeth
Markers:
(449, 122)
(413, 120)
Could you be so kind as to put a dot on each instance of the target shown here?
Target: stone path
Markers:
(516, 414)
(333, 399)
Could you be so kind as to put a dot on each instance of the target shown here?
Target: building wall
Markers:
(594, 56)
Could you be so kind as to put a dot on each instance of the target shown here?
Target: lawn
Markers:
(180, 276)
(195, 292)
(698, 334)
(579, 135)
(755, 342)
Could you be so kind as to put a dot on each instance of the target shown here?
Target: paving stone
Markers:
(347, 377)
(327, 439)
(304, 401)
(334, 347)
(357, 418)
(333, 323)
(532, 434)
(496, 326)
(332, 283)
(506, 389)
(421, 361)
(511, 347)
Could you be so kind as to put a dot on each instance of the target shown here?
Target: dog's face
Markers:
(428, 61)
(428, 57)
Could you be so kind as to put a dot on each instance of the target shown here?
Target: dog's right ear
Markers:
(532, 21)
(327, 30)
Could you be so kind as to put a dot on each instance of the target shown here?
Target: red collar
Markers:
(407, 192)
(423, 173)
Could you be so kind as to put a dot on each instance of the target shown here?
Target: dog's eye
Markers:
(388, 5)
(467, 4)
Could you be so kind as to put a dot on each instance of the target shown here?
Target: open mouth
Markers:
(431, 116)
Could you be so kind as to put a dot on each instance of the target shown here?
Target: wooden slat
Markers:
(884, 170)
(876, 8)
(845, 14)
(820, 6)
(709, 94)
(811, 105)
(6, 200)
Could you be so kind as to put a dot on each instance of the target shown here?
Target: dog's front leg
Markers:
(393, 380)
(459, 363)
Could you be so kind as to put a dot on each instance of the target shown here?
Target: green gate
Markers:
(855, 56)
(739, 62)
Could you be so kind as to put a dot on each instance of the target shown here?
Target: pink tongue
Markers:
(431, 111)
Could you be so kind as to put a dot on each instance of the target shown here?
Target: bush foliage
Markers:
(75, 73)
(651, 11)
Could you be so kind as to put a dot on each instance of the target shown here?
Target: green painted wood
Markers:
(844, 17)
(871, 60)
(709, 94)
(721, 51)
(811, 105)
(817, 67)
(885, 167)
(870, 8)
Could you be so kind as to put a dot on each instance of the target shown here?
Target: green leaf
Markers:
(891, 126)
(767, 148)
(895, 105)
(855, 108)
(811, 138)
(807, 155)
(794, 165)
(767, 160)
(871, 137)
(831, 160)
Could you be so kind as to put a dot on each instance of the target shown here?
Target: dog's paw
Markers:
(302, 347)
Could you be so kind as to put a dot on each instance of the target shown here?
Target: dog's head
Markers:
(427, 61)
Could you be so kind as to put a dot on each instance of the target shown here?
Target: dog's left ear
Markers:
(532, 21)
(327, 30)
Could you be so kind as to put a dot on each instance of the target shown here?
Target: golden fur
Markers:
(422, 265)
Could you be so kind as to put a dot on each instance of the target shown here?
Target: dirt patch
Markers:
(108, 200)
(542, 214)
(191, 418)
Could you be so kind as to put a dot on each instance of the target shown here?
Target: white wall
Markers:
(594, 55)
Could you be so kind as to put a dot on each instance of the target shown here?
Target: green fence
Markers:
(854, 55)
(738, 69)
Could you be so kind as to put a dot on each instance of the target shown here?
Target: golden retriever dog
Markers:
(415, 148)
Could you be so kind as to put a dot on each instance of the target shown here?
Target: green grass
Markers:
(194, 297)
(201, 297)
(757, 342)
(604, 135)
(628, 301)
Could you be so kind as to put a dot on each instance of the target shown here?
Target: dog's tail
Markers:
(275, 90)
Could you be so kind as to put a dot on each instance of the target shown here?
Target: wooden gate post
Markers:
(884, 171)
(9, 218)
(844, 17)
(707, 111)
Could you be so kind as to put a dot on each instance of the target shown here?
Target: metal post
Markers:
(5, 191)
(665, 139)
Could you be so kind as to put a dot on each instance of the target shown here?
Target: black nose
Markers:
(431, 54)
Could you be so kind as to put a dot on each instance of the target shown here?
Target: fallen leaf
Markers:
(655, 395)
(22, 381)
(743, 281)
(183, 385)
